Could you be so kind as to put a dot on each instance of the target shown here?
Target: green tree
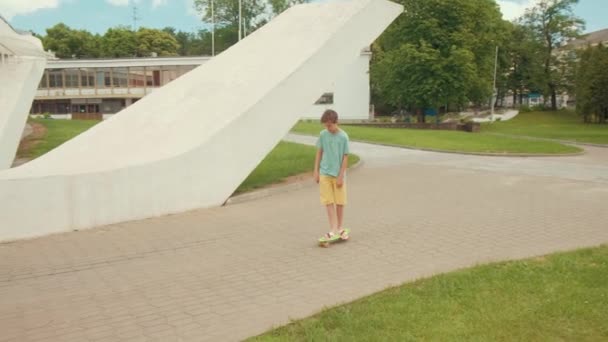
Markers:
(226, 13)
(592, 85)
(155, 41)
(278, 6)
(452, 43)
(119, 42)
(553, 23)
(525, 63)
(68, 43)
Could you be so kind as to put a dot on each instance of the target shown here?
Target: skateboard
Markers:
(324, 242)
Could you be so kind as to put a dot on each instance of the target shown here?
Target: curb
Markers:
(487, 154)
(568, 142)
(274, 190)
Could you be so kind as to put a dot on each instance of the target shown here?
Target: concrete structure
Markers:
(225, 116)
(22, 61)
(99, 88)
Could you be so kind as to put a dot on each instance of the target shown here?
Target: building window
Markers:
(43, 84)
(87, 78)
(327, 98)
(120, 77)
(136, 77)
(55, 78)
(71, 78)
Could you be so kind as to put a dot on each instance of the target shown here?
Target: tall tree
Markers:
(119, 42)
(525, 62)
(451, 42)
(69, 43)
(155, 41)
(278, 6)
(226, 13)
(592, 84)
(554, 23)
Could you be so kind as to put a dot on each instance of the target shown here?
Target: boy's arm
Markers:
(317, 163)
(343, 168)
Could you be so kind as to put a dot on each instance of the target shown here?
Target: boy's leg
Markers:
(331, 214)
(340, 215)
(340, 199)
(326, 187)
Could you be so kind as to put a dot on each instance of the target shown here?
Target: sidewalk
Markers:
(225, 274)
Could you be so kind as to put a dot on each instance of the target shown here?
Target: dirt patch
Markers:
(26, 145)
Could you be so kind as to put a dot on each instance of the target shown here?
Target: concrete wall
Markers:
(22, 62)
(144, 162)
(351, 92)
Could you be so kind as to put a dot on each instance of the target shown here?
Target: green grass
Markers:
(563, 125)
(285, 160)
(58, 132)
(562, 297)
(444, 140)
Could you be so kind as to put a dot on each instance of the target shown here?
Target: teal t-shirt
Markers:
(334, 146)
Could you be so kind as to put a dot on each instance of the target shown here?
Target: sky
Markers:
(98, 15)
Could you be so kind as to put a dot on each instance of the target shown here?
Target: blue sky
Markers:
(99, 15)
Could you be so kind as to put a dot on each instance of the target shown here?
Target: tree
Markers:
(592, 84)
(278, 6)
(155, 41)
(451, 44)
(119, 42)
(68, 43)
(419, 77)
(525, 62)
(554, 23)
(226, 13)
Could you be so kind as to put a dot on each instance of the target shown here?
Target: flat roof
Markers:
(125, 62)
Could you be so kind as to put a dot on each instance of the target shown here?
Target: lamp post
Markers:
(212, 30)
(494, 86)
(240, 20)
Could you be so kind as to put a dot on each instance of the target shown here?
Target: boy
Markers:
(330, 171)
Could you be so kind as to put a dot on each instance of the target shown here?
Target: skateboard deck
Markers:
(324, 242)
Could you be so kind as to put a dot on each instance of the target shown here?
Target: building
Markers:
(99, 88)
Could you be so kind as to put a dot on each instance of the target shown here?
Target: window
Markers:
(87, 78)
(327, 98)
(56, 78)
(120, 77)
(71, 78)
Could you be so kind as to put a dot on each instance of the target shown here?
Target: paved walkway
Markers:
(508, 115)
(216, 275)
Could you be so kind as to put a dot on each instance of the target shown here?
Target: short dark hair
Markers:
(329, 116)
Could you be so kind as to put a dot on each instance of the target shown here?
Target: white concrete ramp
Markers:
(191, 143)
(22, 62)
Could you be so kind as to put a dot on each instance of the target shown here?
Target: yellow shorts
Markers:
(330, 193)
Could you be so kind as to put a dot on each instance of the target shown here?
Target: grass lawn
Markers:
(444, 140)
(58, 132)
(560, 297)
(285, 160)
(564, 125)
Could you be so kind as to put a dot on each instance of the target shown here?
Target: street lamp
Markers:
(240, 20)
(494, 86)
(212, 30)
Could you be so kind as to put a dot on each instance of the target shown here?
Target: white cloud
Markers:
(512, 9)
(190, 8)
(11, 8)
(118, 2)
(156, 3)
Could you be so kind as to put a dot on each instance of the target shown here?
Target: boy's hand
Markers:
(316, 175)
(340, 181)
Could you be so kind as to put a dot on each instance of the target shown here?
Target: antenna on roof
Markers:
(135, 17)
